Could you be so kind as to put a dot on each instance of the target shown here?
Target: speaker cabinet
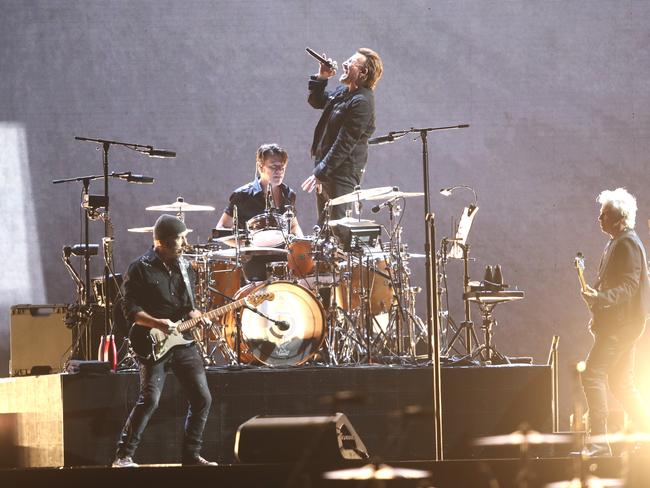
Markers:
(315, 440)
(38, 337)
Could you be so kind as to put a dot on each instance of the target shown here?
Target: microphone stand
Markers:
(433, 323)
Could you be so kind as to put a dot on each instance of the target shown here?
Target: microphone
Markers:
(140, 179)
(382, 140)
(377, 208)
(321, 59)
(283, 325)
(159, 153)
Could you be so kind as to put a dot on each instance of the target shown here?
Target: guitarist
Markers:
(619, 301)
(157, 292)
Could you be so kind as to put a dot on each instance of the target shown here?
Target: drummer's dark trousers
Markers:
(187, 365)
(611, 361)
(337, 185)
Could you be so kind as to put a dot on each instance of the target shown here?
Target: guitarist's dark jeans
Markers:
(611, 361)
(187, 364)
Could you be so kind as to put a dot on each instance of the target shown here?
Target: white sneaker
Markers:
(124, 462)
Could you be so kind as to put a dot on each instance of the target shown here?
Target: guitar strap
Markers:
(182, 264)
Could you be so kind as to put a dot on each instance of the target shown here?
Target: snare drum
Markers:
(294, 339)
(376, 280)
(266, 230)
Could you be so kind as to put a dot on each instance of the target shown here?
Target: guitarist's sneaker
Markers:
(198, 461)
(124, 462)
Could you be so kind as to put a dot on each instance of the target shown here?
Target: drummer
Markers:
(253, 198)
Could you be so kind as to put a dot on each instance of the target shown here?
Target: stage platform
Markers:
(75, 419)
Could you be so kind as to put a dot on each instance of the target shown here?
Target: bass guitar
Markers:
(579, 263)
(150, 343)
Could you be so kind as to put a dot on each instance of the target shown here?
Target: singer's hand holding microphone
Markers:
(327, 65)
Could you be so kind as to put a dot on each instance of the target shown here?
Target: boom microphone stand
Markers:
(431, 272)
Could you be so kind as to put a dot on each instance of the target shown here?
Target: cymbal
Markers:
(518, 438)
(621, 438)
(376, 472)
(248, 251)
(141, 230)
(359, 195)
(180, 205)
(590, 482)
(396, 194)
(350, 221)
(144, 230)
(230, 240)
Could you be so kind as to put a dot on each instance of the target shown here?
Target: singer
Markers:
(340, 143)
(158, 290)
(266, 193)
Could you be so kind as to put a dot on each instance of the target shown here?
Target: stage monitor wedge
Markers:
(318, 440)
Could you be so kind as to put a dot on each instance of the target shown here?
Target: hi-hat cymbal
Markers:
(359, 195)
(231, 240)
(519, 437)
(144, 230)
(350, 221)
(377, 472)
(180, 205)
(396, 194)
(248, 251)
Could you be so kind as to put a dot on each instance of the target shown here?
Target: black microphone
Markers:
(382, 139)
(377, 208)
(141, 179)
(283, 325)
(321, 59)
(159, 153)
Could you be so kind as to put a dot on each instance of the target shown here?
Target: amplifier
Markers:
(38, 337)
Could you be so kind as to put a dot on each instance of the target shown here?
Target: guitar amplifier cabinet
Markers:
(39, 337)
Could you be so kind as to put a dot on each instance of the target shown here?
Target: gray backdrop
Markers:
(556, 94)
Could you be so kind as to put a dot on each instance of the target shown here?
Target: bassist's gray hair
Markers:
(623, 202)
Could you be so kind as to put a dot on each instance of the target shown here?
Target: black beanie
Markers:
(168, 226)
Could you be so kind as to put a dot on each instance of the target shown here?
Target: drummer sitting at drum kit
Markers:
(266, 206)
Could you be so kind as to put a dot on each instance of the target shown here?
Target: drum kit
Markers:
(340, 295)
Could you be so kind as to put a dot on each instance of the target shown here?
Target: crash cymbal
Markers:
(248, 251)
(350, 221)
(180, 205)
(376, 472)
(144, 230)
(396, 194)
(519, 437)
(357, 195)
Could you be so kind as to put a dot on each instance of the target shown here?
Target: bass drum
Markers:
(290, 343)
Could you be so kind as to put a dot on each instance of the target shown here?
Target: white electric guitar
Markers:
(149, 343)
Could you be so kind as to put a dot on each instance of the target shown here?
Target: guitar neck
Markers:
(212, 314)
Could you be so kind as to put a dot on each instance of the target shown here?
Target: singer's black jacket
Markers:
(340, 144)
(250, 201)
(623, 300)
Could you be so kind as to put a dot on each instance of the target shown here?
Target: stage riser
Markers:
(476, 401)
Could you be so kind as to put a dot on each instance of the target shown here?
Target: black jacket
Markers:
(250, 201)
(340, 144)
(623, 300)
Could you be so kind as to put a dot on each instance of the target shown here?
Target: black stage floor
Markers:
(489, 473)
